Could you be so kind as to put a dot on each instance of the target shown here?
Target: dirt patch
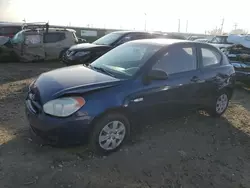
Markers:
(191, 151)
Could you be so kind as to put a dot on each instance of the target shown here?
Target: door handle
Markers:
(194, 79)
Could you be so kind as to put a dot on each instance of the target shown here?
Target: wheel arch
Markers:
(229, 91)
(62, 52)
(119, 110)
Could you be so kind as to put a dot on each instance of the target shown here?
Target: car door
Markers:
(53, 44)
(178, 93)
(210, 65)
(32, 48)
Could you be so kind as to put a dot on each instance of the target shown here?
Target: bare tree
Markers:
(215, 31)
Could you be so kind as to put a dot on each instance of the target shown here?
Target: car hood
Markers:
(84, 46)
(221, 45)
(70, 80)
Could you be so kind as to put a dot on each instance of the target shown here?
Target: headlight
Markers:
(81, 53)
(63, 107)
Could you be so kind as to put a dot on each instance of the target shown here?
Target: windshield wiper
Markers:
(101, 69)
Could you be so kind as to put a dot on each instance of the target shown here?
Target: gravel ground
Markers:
(191, 151)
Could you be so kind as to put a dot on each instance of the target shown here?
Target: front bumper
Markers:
(73, 129)
(70, 60)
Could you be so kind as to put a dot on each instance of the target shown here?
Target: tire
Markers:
(100, 130)
(220, 104)
(62, 53)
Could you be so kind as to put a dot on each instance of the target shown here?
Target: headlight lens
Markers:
(63, 107)
(81, 53)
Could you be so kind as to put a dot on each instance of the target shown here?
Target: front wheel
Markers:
(220, 106)
(109, 133)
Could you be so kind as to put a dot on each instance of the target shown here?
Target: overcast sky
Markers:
(161, 14)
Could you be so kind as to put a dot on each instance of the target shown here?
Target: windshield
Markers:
(124, 61)
(108, 39)
(220, 40)
(18, 38)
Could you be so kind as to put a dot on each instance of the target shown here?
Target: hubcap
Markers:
(112, 135)
(221, 103)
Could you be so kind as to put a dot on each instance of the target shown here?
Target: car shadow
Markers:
(194, 150)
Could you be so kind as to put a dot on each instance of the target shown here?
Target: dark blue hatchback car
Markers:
(133, 81)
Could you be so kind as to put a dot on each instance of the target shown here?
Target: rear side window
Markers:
(9, 30)
(210, 57)
(177, 60)
(53, 37)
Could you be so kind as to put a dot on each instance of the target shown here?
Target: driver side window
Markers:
(177, 60)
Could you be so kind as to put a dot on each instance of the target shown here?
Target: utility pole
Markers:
(145, 22)
(235, 26)
(222, 23)
(179, 25)
(186, 26)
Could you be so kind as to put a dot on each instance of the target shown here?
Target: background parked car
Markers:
(135, 81)
(81, 40)
(9, 29)
(239, 57)
(220, 41)
(204, 40)
(192, 38)
(38, 43)
(87, 53)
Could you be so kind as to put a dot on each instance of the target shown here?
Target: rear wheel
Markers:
(62, 53)
(221, 104)
(109, 133)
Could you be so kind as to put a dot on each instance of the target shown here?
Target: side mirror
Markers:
(157, 74)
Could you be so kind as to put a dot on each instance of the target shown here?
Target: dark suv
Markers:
(87, 53)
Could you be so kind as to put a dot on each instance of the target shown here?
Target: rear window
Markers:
(53, 37)
(210, 57)
(9, 30)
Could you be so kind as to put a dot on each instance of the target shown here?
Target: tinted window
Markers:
(53, 37)
(134, 36)
(9, 30)
(177, 60)
(210, 57)
(108, 39)
(125, 60)
(139, 36)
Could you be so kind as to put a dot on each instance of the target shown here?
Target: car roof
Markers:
(128, 32)
(50, 29)
(161, 42)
